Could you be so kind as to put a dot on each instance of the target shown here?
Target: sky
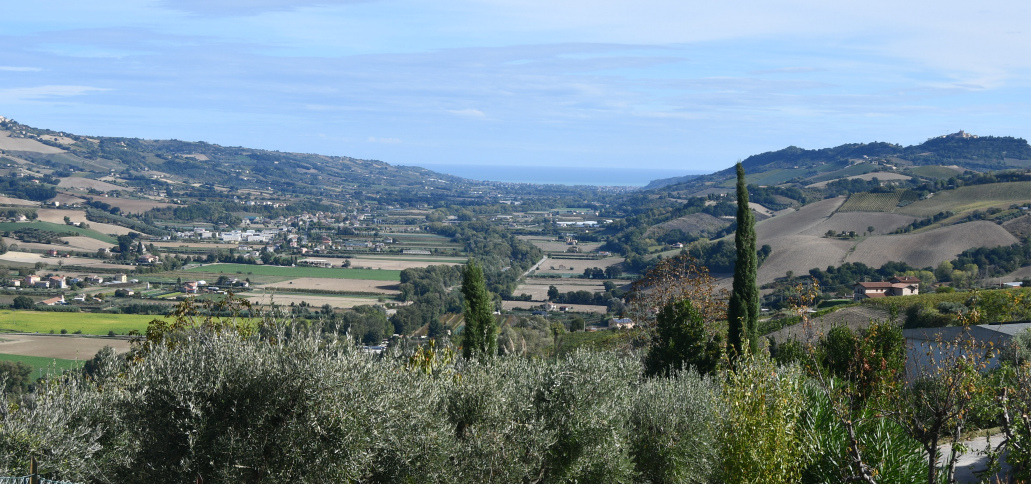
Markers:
(650, 84)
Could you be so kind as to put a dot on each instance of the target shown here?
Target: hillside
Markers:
(799, 165)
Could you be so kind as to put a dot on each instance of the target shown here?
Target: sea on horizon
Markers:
(559, 175)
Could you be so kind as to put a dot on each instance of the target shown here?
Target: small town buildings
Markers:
(896, 286)
(120, 278)
(57, 282)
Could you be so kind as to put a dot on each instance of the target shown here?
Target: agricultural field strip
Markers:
(52, 227)
(42, 365)
(317, 272)
(88, 323)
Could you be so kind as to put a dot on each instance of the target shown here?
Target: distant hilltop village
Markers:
(960, 134)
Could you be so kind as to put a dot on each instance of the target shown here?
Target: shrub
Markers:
(681, 341)
(674, 423)
(761, 440)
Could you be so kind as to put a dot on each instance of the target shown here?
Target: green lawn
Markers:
(334, 273)
(39, 363)
(88, 323)
(93, 234)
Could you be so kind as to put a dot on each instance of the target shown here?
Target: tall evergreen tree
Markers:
(743, 307)
(479, 338)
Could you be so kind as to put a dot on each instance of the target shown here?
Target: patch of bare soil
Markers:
(932, 247)
(66, 347)
(87, 183)
(859, 222)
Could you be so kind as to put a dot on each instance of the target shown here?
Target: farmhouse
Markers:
(896, 286)
(53, 301)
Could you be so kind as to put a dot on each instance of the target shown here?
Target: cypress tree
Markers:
(479, 338)
(743, 307)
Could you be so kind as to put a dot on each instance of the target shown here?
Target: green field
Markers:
(93, 234)
(970, 198)
(871, 202)
(293, 272)
(88, 323)
(41, 365)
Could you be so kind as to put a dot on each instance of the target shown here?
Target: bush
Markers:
(761, 439)
(681, 341)
(674, 423)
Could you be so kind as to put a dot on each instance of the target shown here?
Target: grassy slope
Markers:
(88, 323)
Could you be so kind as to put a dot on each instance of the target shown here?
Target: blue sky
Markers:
(673, 84)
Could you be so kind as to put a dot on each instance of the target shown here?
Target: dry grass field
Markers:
(330, 284)
(932, 247)
(87, 183)
(66, 347)
(23, 144)
(859, 221)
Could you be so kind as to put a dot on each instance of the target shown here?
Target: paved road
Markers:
(535, 266)
(974, 460)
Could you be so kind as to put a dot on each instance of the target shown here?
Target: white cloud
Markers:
(470, 113)
(387, 141)
(19, 69)
(45, 92)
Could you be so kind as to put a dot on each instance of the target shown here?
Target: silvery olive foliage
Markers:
(305, 406)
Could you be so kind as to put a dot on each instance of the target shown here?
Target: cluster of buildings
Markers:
(62, 282)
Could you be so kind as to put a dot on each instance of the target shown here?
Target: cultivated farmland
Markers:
(293, 272)
(88, 323)
(872, 202)
(971, 198)
(932, 247)
(68, 347)
(338, 285)
(859, 222)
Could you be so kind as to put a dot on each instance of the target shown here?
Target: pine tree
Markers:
(743, 307)
(479, 338)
